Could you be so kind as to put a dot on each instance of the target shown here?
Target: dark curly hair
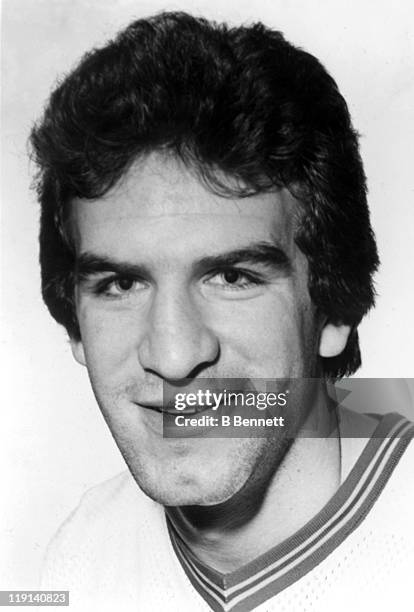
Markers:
(238, 101)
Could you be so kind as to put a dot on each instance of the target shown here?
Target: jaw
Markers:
(205, 472)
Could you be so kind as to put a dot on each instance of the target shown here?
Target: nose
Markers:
(177, 342)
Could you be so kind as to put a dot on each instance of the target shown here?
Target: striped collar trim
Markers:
(261, 579)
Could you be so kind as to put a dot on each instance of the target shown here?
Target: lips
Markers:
(170, 409)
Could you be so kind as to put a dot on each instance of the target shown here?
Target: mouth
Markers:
(162, 419)
(171, 410)
(215, 396)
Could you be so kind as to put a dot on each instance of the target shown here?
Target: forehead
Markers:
(161, 201)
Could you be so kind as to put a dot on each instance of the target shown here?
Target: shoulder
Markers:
(378, 457)
(104, 498)
(376, 431)
(101, 504)
(109, 517)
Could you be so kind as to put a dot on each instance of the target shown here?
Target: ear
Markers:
(77, 351)
(333, 339)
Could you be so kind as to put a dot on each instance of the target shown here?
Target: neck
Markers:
(263, 514)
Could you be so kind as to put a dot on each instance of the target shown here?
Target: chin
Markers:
(187, 490)
(208, 473)
(179, 498)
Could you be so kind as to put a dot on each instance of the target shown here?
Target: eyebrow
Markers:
(88, 264)
(263, 253)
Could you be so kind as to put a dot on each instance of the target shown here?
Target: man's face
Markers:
(176, 282)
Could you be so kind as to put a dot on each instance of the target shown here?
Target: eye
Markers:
(233, 279)
(231, 276)
(122, 286)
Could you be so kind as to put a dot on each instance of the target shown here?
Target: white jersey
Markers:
(118, 552)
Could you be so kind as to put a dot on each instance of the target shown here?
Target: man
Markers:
(204, 215)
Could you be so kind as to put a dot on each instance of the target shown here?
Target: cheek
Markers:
(273, 336)
(107, 340)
